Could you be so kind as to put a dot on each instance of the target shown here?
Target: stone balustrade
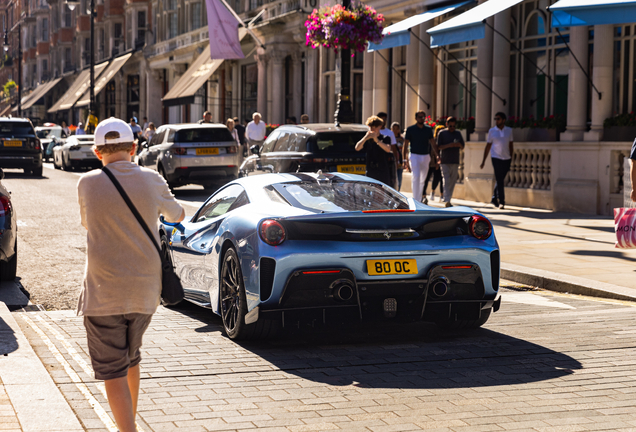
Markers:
(530, 169)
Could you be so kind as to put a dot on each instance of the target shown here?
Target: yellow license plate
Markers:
(207, 151)
(352, 169)
(391, 267)
(13, 143)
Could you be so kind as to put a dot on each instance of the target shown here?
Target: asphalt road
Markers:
(545, 362)
(51, 240)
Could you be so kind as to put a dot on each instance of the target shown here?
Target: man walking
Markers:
(385, 131)
(419, 140)
(255, 130)
(207, 118)
(449, 142)
(501, 149)
(122, 283)
(241, 133)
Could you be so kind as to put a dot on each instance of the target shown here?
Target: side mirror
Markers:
(255, 149)
(1, 174)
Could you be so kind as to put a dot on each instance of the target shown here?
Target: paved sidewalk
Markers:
(566, 252)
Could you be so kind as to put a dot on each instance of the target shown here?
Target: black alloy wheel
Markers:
(233, 299)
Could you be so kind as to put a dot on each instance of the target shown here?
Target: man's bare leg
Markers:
(133, 386)
(120, 401)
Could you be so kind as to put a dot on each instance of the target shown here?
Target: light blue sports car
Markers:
(286, 249)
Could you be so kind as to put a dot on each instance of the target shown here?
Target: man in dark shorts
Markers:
(449, 142)
(122, 283)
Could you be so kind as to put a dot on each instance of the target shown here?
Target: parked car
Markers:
(289, 248)
(192, 154)
(8, 235)
(309, 148)
(49, 137)
(19, 146)
(76, 152)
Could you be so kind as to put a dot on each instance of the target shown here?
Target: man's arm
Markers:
(486, 150)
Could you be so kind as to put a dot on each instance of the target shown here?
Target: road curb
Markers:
(565, 283)
(37, 401)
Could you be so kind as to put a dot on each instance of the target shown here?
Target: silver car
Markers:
(184, 154)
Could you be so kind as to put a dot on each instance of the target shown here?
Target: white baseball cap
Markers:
(113, 131)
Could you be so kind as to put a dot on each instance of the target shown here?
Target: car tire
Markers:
(37, 172)
(165, 250)
(64, 166)
(9, 269)
(465, 324)
(233, 303)
(162, 173)
(55, 165)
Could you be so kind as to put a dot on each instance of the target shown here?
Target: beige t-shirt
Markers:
(123, 268)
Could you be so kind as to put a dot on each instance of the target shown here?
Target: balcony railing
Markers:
(180, 41)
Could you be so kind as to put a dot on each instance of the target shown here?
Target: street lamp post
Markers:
(72, 4)
(18, 26)
(344, 113)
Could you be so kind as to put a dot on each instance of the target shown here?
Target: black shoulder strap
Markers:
(132, 207)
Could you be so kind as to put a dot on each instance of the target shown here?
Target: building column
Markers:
(312, 77)
(367, 86)
(236, 92)
(278, 90)
(261, 91)
(154, 81)
(483, 117)
(602, 76)
(297, 64)
(426, 82)
(577, 86)
(380, 82)
(412, 78)
(500, 64)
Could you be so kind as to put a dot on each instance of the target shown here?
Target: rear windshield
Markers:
(325, 143)
(202, 135)
(11, 129)
(338, 196)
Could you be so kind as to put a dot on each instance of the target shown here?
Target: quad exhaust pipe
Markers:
(342, 290)
(440, 287)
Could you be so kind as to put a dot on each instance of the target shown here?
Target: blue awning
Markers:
(570, 13)
(469, 25)
(398, 34)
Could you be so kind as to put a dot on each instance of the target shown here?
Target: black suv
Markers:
(19, 146)
(309, 148)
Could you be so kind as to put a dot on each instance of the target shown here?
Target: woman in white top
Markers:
(230, 125)
(150, 131)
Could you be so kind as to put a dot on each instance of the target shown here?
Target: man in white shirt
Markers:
(501, 148)
(255, 130)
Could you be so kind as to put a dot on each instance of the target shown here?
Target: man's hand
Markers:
(482, 165)
(407, 165)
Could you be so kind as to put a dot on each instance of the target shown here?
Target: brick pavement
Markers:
(544, 362)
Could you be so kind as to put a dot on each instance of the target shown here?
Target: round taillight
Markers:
(272, 232)
(480, 227)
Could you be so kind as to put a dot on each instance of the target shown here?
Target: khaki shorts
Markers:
(114, 342)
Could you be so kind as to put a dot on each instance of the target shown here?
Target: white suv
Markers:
(192, 154)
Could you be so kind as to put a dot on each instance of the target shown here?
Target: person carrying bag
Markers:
(125, 269)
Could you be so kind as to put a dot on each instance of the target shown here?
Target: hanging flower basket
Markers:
(339, 28)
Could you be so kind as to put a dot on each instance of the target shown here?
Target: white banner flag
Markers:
(223, 30)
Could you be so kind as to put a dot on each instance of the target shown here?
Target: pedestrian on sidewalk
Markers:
(80, 129)
(122, 282)
(378, 149)
(419, 141)
(304, 119)
(449, 143)
(240, 129)
(501, 148)
(434, 175)
(384, 130)
(399, 140)
(256, 130)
